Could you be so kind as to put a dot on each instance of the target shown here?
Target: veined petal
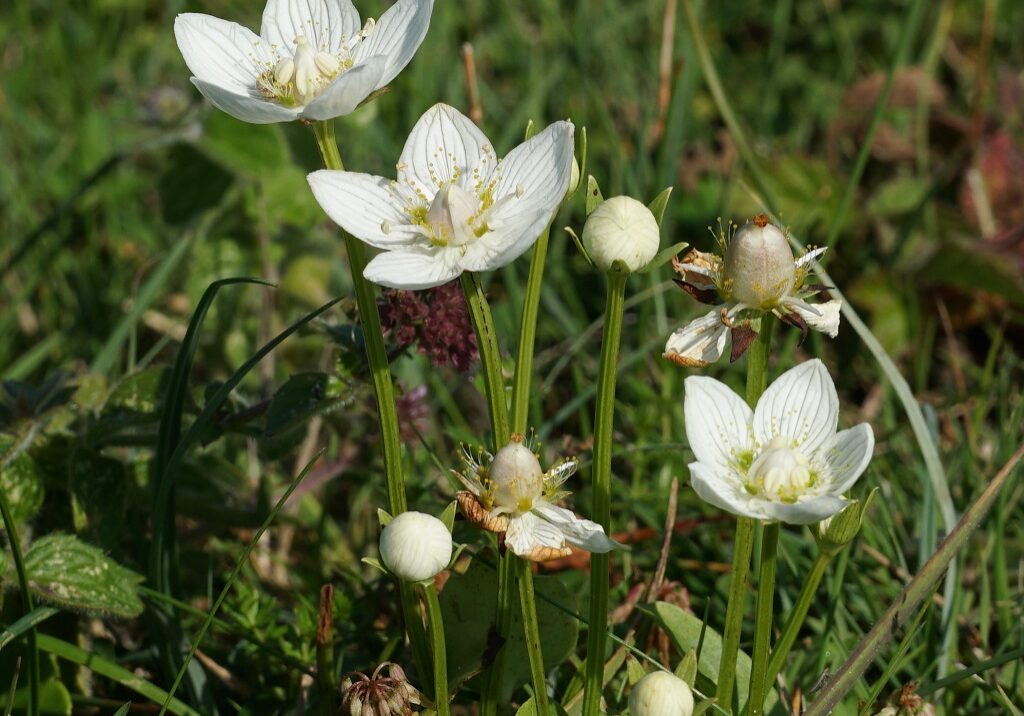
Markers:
(243, 106)
(577, 531)
(711, 485)
(326, 24)
(717, 423)
(805, 511)
(347, 90)
(800, 405)
(536, 173)
(531, 537)
(444, 145)
(412, 269)
(823, 317)
(505, 242)
(222, 53)
(363, 205)
(848, 455)
(700, 342)
(397, 35)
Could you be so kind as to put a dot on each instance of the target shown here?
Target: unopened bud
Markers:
(840, 529)
(574, 180)
(759, 266)
(621, 234)
(415, 546)
(661, 694)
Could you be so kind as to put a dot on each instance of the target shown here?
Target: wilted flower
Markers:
(661, 694)
(415, 546)
(377, 694)
(312, 60)
(623, 230)
(512, 494)
(782, 461)
(757, 275)
(454, 207)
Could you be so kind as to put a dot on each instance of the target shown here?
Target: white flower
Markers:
(512, 494)
(621, 229)
(454, 207)
(661, 694)
(312, 59)
(782, 461)
(758, 274)
(415, 546)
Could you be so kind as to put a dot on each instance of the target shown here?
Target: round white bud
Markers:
(759, 265)
(415, 546)
(661, 694)
(621, 229)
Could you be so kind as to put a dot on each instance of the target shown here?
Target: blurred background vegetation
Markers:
(123, 196)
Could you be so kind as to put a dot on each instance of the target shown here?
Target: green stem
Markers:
(757, 380)
(531, 631)
(602, 487)
(380, 371)
(763, 620)
(26, 604)
(436, 626)
(527, 335)
(796, 617)
(503, 625)
(490, 357)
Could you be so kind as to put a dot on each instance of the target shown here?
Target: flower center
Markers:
(515, 480)
(780, 472)
(451, 215)
(300, 78)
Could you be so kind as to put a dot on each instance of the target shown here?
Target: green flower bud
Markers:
(621, 234)
(841, 528)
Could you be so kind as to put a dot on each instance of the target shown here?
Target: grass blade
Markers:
(32, 619)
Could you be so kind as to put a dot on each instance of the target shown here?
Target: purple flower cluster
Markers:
(436, 320)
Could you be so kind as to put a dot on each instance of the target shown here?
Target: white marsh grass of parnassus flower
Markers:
(312, 60)
(455, 206)
(782, 461)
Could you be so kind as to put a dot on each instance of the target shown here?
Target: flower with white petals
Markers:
(512, 494)
(757, 274)
(455, 206)
(782, 461)
(312, 60)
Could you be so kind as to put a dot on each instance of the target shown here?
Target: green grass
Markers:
(124, 197)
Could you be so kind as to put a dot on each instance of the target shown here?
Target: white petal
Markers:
(726, 494)
(326, 24)
(810, 257)
(800, 405)
(848, 455)
(700, 342)
(412, 270)
(444, 145)
(804, 512)
(363, 205)
(578, 532)
(222, 53)
(527, 532)
(717, 422)
(347, 90)
(823, 317)
(506, 242)
(242, 106)
(536, 173)
(397, 35)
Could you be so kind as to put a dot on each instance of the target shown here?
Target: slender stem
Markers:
(387, 412)
(326, 685)
(531, 631)
(440, 656)
(490, 357)
(743, 546)
(796, 617)
(763, 620)
(527, 335)
(26, 604)
(502, 624)
(602, 487)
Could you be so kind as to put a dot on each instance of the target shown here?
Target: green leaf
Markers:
(21, 483)
(594, 196)
(34, 617)
(529, 708)
(899, 195)
(67, 572)
(663, 257)
(658, 204)
(303, 396)
(384, 517)
(687, 669)
(634, 670)
(579, 244)
(685, 630)
(448, 516)
(468, 605)
(54, 699)
(139, 392)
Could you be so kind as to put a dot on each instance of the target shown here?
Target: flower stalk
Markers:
(763, 619)
(380, 371)
(601, 480)
(531, 629)
(490, 357)
(437, 645)
(527, 336)
(796, 617)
